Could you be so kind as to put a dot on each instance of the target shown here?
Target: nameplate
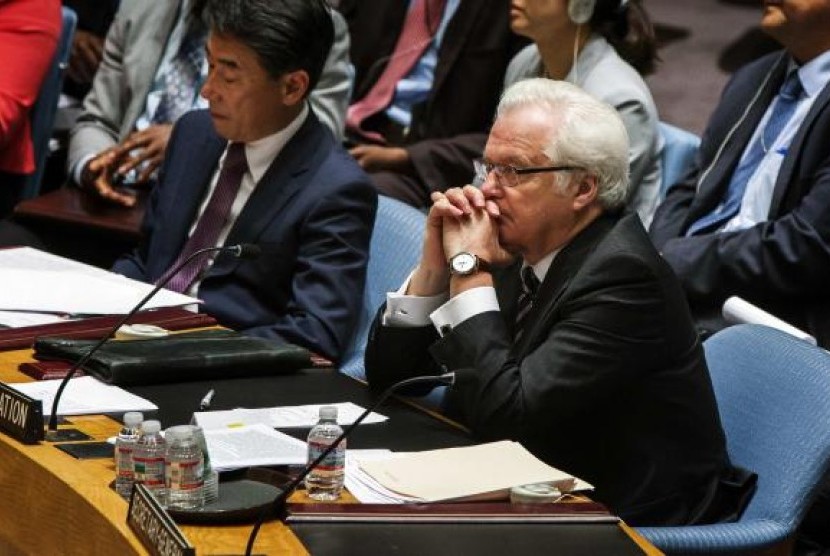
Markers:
(154, 527)
(21, 417)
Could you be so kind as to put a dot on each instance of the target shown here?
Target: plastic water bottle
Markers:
(325, 482)
(148, 460)
(185, 468)
(124, 445)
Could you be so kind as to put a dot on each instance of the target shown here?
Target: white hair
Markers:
(586, 133)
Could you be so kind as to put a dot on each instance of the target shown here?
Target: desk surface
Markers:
(42, 485)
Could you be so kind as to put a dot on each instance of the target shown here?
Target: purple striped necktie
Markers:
(211, 221)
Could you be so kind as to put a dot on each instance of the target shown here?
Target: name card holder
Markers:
(21, 417)
(154, 526)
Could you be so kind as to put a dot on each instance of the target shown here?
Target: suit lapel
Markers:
(713, 187)
(565, 266)
(285, 177)
(205, 152)
(783, 182)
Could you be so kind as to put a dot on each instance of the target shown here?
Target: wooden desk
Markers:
(50, 501)
(76, 224)
(70, 206)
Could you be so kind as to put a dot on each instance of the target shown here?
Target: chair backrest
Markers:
(46, 106)
(680, 147)
(393, 253)
(773, 392)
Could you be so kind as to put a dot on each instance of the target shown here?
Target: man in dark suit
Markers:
(450, 92)
(259, 167)
(582, 347)
(753, 218)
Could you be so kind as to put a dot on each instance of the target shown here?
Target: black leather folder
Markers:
(200, 355)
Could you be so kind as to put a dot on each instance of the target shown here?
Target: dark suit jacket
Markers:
(312, 213)
(781, 264)
(472, 59)
(608, 382)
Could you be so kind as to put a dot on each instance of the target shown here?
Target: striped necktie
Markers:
(530, 285)
(212, 220)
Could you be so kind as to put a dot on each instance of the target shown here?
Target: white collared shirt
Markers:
(259, 155)
(446, 313)
(757, 198)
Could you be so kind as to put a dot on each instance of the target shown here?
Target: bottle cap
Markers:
(538, 493)
(328, 412)
(133, 418)
(151, 427)
(179, 432)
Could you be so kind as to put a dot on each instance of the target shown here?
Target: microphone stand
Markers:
(278, 505)
(53, 434)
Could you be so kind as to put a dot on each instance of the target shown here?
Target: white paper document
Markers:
(40, 282)
(84, 396)
(485, 471)
(249, 446)
(286, 417)
(363, 487)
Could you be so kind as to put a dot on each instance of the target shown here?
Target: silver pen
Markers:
(204, 405)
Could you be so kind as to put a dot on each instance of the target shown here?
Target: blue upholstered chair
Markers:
(679, 151)
(46, 105)
(393, 253)
(773, 392)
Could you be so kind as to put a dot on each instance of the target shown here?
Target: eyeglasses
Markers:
(509, 175)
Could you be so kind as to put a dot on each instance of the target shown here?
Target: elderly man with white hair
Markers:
(564, 327)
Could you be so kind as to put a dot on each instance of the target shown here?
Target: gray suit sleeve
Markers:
(97, 128)
(331, 96)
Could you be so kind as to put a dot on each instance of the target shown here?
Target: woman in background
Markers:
(603, 46)
(29, 31)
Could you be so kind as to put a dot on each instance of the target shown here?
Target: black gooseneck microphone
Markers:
(278, 505)
(242, 251)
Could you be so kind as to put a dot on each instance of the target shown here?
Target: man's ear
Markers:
(586, 191)
(294, 87)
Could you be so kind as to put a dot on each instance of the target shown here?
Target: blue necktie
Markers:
(181, 80)
(785, 105)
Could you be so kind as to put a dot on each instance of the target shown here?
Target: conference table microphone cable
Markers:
(278, 505)
(242, 251)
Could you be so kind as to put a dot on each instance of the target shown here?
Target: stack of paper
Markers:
(249, 446)
(84, 396)
(483, 472)
(39, 288)
(286, 417)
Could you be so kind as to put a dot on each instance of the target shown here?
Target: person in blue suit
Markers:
(288, 186)
(753, 218)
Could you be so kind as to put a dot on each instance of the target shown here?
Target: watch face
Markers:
(463, 263)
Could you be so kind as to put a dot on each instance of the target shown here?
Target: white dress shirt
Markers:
(446, 313)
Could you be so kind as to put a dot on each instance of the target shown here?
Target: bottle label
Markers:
(124, 461)
(185, 475)
(335, 462)
(149, 470)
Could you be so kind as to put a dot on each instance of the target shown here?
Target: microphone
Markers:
(278, 505)
(242, 251)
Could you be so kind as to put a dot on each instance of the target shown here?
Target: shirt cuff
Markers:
(464, 306)
(79, 168)
(409, 311)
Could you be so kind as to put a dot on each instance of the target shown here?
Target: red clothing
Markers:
(29, 31)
